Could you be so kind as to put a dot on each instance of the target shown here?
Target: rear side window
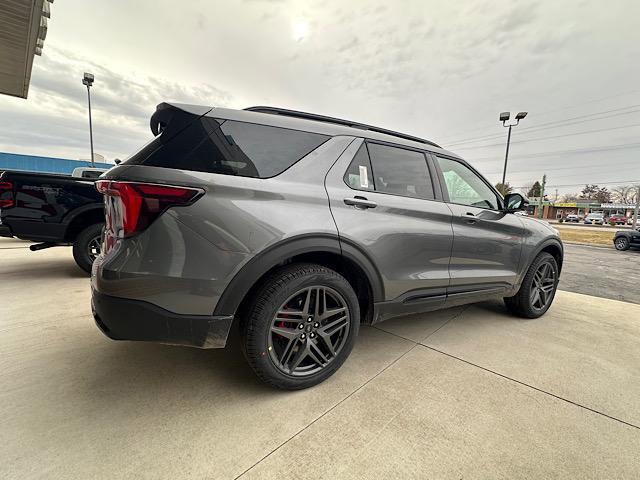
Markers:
(400, 172)
(359, 175)
(230, 148)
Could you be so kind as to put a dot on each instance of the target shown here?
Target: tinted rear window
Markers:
(91, 174)
(400, 172)
(230, 148)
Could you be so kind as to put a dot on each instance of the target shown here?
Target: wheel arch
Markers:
(554, 248)
(81, 218)
(327, 250)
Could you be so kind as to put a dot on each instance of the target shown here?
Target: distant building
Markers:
(23, 24)
(558, 210)
(32, 163)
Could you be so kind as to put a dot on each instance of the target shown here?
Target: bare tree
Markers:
(625, 194)
(504, 188)
(570, 197)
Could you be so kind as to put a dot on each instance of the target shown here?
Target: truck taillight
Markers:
(6, 195)
(136, 205)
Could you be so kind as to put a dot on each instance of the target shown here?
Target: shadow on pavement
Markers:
(139, 372)
(44, 268)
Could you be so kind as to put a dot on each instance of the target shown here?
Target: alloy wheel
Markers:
(543, 286)
(309, 330)
(94, 246)
(621, 243)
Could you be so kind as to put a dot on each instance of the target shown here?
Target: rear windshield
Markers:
(230, 148)
(91, 174)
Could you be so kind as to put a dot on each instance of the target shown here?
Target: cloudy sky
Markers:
(440, 70)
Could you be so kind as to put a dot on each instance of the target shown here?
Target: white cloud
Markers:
(440, 70)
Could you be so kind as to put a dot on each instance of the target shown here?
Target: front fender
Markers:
(533, 251)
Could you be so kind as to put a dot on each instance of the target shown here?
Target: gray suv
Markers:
(297, 228)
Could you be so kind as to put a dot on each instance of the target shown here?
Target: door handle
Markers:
(470, 217)
(360, 202)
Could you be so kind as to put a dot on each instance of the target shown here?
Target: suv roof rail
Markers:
(337, 121)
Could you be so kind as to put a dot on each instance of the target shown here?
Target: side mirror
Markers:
(514, 202)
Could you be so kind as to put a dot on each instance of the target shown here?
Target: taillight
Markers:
(6, 195)
(136, 205)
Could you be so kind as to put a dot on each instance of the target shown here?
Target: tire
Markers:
(84, 247)
(525, 303)
(300, 347)
(621, 243)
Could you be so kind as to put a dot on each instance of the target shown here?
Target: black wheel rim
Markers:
(93, 248)
(308, 331)
(543, 286)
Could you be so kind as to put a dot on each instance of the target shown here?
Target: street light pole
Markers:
(88, 81)
(635, 212)
(506, 156)
(504, 118)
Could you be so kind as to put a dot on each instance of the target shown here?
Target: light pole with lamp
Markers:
(88, 81)
(504, 118)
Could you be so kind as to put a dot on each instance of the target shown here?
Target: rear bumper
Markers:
(125, 319)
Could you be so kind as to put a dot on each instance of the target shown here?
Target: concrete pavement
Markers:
(462, 393)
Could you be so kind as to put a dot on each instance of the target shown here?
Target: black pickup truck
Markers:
(54, 210)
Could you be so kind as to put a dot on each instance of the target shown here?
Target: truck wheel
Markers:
(87, 246)
(300, 326)
(537, 290)
(621, 243)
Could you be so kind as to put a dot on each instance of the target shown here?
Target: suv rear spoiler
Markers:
(168, 112)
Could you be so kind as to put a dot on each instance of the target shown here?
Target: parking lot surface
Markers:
(601, 272)
(469, 392)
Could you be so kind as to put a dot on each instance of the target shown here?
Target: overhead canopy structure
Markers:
(23, 28)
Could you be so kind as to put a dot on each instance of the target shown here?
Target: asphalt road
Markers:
(601, 272)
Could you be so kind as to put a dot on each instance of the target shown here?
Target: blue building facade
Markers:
(32, 163)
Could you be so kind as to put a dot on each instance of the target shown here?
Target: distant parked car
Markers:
(572, 218)
(595, 218)
(618, 219)
(630, 220)
(624, 239)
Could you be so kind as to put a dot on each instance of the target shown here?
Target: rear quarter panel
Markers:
(187, 257)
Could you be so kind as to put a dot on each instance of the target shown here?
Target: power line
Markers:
(557, 123)
(583, 132)
(554, 169)
(620, 182)
(601, 148)
(547, 112)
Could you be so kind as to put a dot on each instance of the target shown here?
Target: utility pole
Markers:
(540, 206)
(556, 197)
(635, 213)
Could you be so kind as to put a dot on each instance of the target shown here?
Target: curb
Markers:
(589, 244)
